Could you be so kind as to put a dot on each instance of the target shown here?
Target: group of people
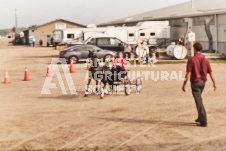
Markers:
(145, 55)
(197, 69)
(32, 42)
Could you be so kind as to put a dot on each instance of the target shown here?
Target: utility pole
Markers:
(15, 21)
(192, 4)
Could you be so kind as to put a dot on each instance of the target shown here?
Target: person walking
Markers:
(197, 69)
(41, 42)
(33, 41)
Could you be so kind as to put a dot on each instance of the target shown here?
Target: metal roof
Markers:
(202, 8)
(62, 20)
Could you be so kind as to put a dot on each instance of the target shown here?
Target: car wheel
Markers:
(47, 44)
(74, 59)
(138, 85)
(127, 88)
(107, 58)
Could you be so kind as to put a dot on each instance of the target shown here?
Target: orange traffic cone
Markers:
(71, 67)
(26, 77)
(6, 79)
(48, 74)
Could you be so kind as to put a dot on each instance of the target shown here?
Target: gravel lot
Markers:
(161, 117)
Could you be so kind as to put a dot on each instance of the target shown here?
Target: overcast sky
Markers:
(85, 12)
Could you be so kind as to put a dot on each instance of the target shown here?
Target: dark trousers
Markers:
(115, 74)
(197, 88)
(129, 54)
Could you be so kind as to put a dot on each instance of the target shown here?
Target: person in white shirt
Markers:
(33, 42)
(127, 50)
(145, 54)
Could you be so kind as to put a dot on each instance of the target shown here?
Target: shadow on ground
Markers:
(159, 122)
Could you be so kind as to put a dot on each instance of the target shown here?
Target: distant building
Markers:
(41, 32)
(207, 19)
(10, 35)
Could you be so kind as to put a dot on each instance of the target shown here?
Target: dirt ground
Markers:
(161, 117)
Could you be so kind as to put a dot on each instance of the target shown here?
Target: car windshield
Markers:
(87, 40)
(115, 42)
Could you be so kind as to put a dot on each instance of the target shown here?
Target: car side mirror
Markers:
(98, 50)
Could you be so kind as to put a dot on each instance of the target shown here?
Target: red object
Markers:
(121, 62)
(193, 66)
(71, 67)
(88, 65)
(48, 74)
(63, 52)
(26, 77)
(6, 78)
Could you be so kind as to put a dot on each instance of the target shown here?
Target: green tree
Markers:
(13, 29)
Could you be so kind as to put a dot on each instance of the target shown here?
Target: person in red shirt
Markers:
(197, 69)
(119, 67)
(120, 62)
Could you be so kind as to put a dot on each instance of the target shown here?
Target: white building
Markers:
(207, 19)
(10, 35)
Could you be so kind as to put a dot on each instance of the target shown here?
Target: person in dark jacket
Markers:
(40, 42)
(197, 69)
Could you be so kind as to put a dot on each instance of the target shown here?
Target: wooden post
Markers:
(191, 39)
(139, 47)
(192, 48)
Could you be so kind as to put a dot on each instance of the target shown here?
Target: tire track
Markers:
(192, 143)
(98, 132)
(142, 132)
(47, 131)
(153, 126)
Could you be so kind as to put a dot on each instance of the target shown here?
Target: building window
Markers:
(70, 35)
(131, 35)
(152, 34)
(60, 26)
(142, 34)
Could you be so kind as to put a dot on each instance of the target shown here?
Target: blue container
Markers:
(30, 41)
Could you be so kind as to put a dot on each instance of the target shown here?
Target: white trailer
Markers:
(153, 32)
(64, 36)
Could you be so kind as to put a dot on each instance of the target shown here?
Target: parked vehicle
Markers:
(18, 40)
(80, 53)
(109, 43)
(155, 33)
(50, 40)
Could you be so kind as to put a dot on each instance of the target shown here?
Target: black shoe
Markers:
(202, 125)
(197, 120)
